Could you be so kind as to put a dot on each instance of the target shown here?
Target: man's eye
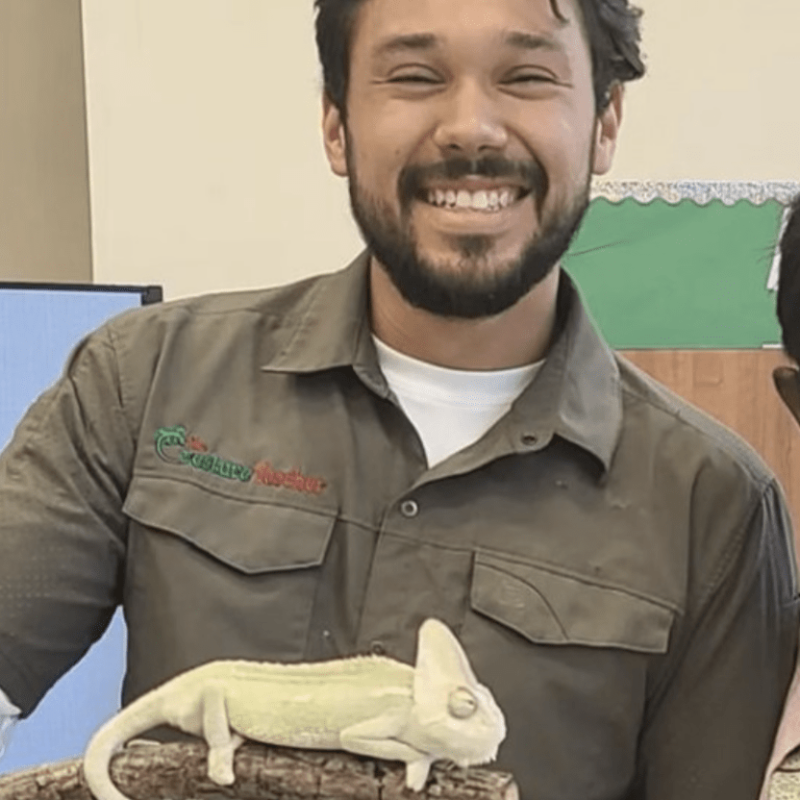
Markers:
(413, 79)
(530, 77)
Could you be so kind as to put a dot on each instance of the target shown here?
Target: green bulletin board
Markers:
(679, 275)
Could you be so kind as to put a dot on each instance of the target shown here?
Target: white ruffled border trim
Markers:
(700, 192)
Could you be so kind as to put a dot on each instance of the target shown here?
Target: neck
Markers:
(520, 335)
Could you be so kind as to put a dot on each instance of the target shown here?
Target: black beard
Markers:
(465, 292)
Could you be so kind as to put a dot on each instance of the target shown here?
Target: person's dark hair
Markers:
(788, 304)
(612, 27)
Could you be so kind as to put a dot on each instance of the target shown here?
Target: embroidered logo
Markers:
(295, 480)
(207, 462)
(167, 439)
(175, 446)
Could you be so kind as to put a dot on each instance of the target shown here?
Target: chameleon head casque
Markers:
(453, 715)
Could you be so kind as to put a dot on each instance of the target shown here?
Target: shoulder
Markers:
(209, 327)
(683, 433)
(718, 508)
(230, 308)
(703, 477)
(192, 345)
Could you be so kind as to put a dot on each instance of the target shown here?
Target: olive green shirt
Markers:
(235, 471)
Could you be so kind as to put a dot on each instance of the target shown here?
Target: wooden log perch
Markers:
(177, 771)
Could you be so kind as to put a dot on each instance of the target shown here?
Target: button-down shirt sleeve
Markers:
(62, 481)
(716, 705)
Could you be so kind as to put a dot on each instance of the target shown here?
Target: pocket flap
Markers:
(553, 608)
(250, 537)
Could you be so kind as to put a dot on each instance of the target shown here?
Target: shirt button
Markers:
(530, 439)
(377, 648)
(409, 509)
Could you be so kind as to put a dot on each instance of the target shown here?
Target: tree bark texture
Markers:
(177, 771)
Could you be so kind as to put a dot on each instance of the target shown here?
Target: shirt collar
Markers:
(576, 395)
(331, 328)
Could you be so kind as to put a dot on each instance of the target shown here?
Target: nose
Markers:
(470, 124)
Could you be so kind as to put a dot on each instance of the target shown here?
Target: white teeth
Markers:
(463, 199)
(478, 201)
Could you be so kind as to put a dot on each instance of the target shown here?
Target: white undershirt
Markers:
(450, 408)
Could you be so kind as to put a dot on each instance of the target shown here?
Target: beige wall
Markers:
(207, 170)
(206, 163)
(44, 181)
(720, 100)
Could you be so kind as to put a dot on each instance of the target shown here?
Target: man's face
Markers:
(470, 141)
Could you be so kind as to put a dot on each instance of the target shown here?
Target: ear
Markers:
(607, 131)
(787, 382)
(442, 666)
(334, 137)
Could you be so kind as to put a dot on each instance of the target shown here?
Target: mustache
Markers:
(414, 179)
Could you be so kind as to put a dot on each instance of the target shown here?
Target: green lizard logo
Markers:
(170, 437)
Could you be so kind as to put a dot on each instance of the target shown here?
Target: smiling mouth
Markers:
(487, 201)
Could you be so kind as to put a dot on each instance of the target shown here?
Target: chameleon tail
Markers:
(129, 723)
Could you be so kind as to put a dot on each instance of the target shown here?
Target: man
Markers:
(438, 430)
(788, 302)
(783, 779)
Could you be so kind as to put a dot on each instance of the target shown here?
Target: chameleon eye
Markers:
(462, 703)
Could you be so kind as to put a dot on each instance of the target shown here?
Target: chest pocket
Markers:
(546, 607)
(567, 660)
(210, 576)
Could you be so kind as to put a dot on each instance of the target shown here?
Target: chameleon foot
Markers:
(220, 762)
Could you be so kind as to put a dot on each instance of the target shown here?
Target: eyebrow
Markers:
(522, 40)
(400, 44)
(418, 42)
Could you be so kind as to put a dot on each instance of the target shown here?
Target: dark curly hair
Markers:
(612, 27)
(788, 304)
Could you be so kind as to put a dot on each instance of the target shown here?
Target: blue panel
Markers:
(38, 330)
